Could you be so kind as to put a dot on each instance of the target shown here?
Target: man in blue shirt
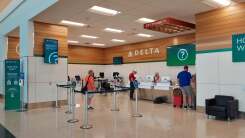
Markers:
(184, 80)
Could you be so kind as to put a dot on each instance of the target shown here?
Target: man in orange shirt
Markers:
(89, 79)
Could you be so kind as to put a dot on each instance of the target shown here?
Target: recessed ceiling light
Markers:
(98, 44)
(144, 35)
(72, 23)
(217, 3)
(118, 40)
(89, 36)
(103, 11)
(223, 2)
(113, 30)
(145, 20)
(72, 41)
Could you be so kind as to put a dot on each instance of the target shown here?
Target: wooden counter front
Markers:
(151, 94)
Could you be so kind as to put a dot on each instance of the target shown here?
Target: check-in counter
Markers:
(150, 91)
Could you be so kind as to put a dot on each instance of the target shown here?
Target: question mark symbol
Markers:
(182, 53)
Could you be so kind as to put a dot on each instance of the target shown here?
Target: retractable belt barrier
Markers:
(117, 89)
(71, 101)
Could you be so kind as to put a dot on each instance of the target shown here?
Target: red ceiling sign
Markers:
(170, 25)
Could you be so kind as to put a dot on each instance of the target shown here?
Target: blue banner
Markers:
(51, 51)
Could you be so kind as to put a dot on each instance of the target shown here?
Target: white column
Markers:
(3, 56)
(26, 51)
(26, 39)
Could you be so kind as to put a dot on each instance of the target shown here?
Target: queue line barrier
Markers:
(70, 99)
(85, 123)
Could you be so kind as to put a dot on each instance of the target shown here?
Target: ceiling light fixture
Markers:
(145, 20)
(103, 11)
(89, 36)
(118, 40)
(144, 35)
(71, 23)
(98, 44)
(72, 41)
(113, 30)
(223, 2)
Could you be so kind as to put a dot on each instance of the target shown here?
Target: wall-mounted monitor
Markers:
(78, 78)
(50, 48)
(102, 74)
(117, 60)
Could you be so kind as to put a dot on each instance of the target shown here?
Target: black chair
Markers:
(222, 106)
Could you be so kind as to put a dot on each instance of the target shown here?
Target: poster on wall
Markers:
(238, 48)
(51, 51)
(180, 55)
(12, 88)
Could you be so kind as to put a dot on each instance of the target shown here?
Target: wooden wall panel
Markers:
(13, 43)
(214, 29)
(161, 44)
(45, 30)
(85, 55)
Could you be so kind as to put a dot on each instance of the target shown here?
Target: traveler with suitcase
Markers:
(184, 80)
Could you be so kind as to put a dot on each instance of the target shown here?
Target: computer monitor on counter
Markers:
(149, 78)
(165, 79)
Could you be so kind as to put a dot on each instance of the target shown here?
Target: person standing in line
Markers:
(89, 80)
(132, 78)
(184, 80)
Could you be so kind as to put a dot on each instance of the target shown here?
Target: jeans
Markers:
(131, 90)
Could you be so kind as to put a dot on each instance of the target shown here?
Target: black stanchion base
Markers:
(137, 115)
(115, 109)
(73, 121)
(86, 127)
(68, 112)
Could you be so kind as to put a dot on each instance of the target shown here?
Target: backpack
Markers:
(85, 88)
(160, 100)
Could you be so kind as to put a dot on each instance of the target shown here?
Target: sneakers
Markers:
(90, 108)
(188, 107)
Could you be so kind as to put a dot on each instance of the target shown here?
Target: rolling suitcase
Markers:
(177, 98)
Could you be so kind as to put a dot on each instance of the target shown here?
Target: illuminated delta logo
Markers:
(182, 54)
(53, 58)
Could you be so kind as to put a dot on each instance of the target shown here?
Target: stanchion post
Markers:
(57, 97)
(114, 102)
(69, 101)
(73, 107)
(85, 124)
(136, 114)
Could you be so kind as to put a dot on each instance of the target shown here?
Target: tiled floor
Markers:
(158, 121)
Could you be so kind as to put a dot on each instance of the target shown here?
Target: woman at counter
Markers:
(156, 78)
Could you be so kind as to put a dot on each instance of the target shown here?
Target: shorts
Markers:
(90, 95)
(187, 90)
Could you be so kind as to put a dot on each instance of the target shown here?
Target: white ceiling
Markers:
(131, 10)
